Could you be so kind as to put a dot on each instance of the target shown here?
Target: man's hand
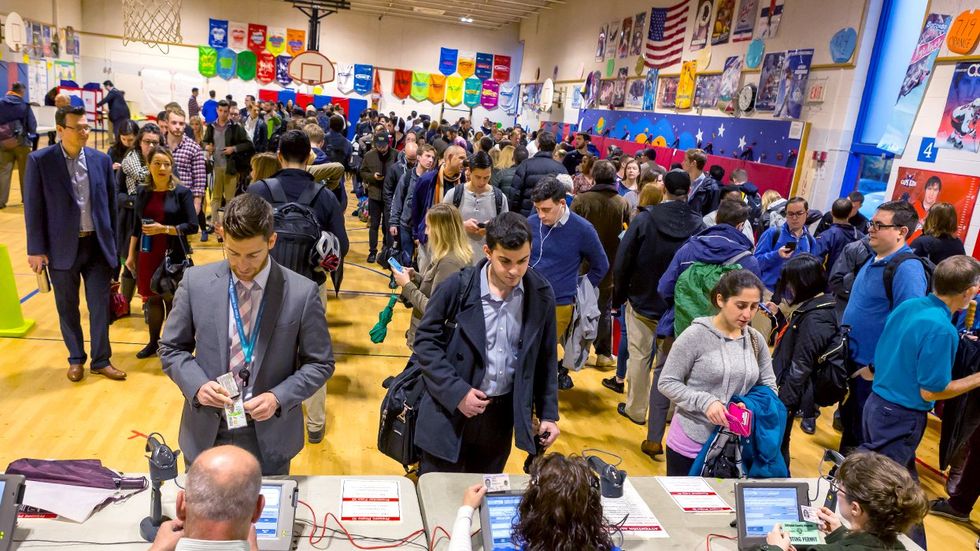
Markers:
(228, 150)
(168, 535)
(785, 252)
(552, 428)
(393, 231)
(865, 373)
(263, 406)
(214, 395)
(777, 537)
(472, 227)
(37, 262)
(474, 403)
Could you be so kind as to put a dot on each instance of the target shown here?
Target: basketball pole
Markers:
(315, 11)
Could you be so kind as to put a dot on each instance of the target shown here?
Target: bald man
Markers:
(218, 507)
(429, 190)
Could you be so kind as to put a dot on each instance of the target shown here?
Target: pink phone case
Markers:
(739, 419)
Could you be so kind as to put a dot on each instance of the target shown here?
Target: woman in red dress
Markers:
(164, 215)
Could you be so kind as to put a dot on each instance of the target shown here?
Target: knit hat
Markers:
(677, 182)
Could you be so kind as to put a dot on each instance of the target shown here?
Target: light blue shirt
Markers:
(78, 172)
(503, 318)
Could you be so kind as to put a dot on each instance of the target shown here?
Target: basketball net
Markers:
(155, 23)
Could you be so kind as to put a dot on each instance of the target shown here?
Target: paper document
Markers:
(640, 522)
(693, 495)
(370, 500)
(75, 503)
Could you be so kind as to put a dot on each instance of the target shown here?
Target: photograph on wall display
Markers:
(625, 37)
(612, 39)
(769, 16)
(925, 188)
(745, 20)
(639, 30)
(619, 93)
(769, 79)
(958, 125)
(792, 84)
(650, 90)
(731, 77)
(606, 88)
(702, 25)
(685, 86)
(634, 93)
(600, 49)
(668, 91)
(722, 29)
(590, 92)
(707, 90)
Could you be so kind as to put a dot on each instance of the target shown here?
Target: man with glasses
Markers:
(869, 306)
(69, 209)
(778, 244)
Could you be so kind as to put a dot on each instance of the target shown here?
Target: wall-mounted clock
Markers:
(746, 98)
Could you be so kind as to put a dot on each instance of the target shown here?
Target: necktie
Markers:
(237, 362)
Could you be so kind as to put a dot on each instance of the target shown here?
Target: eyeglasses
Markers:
(796, 214)
(877, 226)
(80, 129)
(836, 488)
(151, 144)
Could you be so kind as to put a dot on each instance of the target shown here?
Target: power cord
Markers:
(707, 540)
(389, 542)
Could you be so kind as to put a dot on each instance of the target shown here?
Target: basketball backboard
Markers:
(13, 31)
(311, 67)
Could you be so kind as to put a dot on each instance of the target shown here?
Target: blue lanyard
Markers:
(248, 345)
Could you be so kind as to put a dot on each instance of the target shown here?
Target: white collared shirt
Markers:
(187, 544)
(258, 289)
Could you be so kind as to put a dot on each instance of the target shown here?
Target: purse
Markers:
(168, 274)
(118, 306)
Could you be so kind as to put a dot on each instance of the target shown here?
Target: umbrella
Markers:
(380, 329)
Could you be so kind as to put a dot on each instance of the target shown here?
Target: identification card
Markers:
(496, 482)
(810, 514)
(802, 533)
(235, 414)
(227, 381)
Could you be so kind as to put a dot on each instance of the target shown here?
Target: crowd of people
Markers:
(510, 245)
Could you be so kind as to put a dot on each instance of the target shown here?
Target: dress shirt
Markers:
(187, 544)
(503, 318)
(78, 172)
(257, 285)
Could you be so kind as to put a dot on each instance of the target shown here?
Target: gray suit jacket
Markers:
(293, 356)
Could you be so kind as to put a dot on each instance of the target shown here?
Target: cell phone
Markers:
(148, 221)
(395, 265)
(791, 245)
(739, 419)
(481, 225)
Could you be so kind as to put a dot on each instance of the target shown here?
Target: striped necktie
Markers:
(237, 357)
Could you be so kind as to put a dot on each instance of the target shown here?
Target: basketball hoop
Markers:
(311, 67)
(154, 23)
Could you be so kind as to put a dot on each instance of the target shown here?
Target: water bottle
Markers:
(43, 280)
(146, 242)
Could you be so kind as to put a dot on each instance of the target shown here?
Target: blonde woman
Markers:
(264, 165)
(197, 125)
(504, 167)
(773, 209)
(451, 252)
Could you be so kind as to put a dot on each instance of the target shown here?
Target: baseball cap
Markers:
(677, 182)
(381, 137)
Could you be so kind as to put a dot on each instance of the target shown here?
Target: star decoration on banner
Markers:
(699, 135)
(741, 142)
(721, 130)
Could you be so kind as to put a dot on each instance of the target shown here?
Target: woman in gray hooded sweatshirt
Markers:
(711, 361)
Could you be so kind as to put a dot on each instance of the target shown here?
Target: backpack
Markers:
(830, 371)
(693, 287)
(723, 458)
(297, 229)
(888, 278)
(11, 135)
(774, 216)
(498, 198)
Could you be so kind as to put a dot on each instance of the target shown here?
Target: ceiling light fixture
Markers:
(466, 19)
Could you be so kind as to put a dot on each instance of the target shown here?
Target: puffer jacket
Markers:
(811, 328)
(527, 176)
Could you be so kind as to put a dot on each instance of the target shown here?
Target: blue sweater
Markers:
(768, 254)
(558, 256)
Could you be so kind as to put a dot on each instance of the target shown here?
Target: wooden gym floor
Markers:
(46, 416)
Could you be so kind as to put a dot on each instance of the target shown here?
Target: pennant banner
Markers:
(420, 86)
(454, 91)
(207, 61)
(466, 65)
(246, 65)
(226, 63)
(403, 84)
(256, 38)
(265, 70)
(218, 37)
(282, 70)
(275, 40)
(491, 94)
(237, 35)
(345, 78)
(363, 78)
(295, 41)
(508, 98)
(501, 68)
(437, 88)
(447, 60)
(484, 66)
(471, 92)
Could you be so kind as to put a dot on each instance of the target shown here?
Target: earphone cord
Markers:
(544, 238)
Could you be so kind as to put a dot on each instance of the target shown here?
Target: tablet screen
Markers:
(502, 511)
(268, 524)
(765, 507)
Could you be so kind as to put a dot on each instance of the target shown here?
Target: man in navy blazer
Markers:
(118, 109)
(68, 208)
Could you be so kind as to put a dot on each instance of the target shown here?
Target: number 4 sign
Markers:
(927, 150)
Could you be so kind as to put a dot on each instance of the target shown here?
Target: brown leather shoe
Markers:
(76, 372)
(653, 449)
(110, 373)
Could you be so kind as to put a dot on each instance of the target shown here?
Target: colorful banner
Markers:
(295, 41)
(466, 65)
(914, 86)
(437, 87)
(256, 38)
(958, 126)
(454, 91)
(246, 65)
(772, 12)
(237, 36)
(722, 29)
(218, 35)
(625, 36)
(345, 78)
(792, 84)
(363, 78)
(501, 68)
(925, 188)
(282, 70)
(702, 25)
(471, 92)
(685, 87)
(745, 20)
(484, 66)
(508, 98)
(769, 77)
(447, 60)
(420, 86)
(207, 61)
(265, 67)
(226, 63)
(491, 94)
(650, 90)
(275, 40)
(403, 84)
(730, 78)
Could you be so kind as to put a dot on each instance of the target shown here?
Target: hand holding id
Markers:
(262, 406)
(214, 395)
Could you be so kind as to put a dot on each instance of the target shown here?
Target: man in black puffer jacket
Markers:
(531, 171)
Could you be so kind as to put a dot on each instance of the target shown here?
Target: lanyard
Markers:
(248, 345)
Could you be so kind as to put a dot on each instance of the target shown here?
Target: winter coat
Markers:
(607, 211)
(584, 326)
(812, 326)
(527, 175)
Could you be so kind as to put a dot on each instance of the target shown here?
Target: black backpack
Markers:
(498, 197)
(888, 278)
(830, 371)
(298, 230)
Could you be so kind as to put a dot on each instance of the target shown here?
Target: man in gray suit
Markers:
(209, 333)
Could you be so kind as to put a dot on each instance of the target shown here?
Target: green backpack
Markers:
(693, 287)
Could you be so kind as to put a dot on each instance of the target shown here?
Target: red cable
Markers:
(436, 540)
(707, 540)
(350, 538)
(929, 467)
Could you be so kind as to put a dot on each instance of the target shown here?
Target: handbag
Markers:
(168, 274)
(118, 306)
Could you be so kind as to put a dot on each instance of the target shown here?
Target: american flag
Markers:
(665, 42)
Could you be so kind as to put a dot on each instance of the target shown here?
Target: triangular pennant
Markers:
(207, 61)
(403, 84)
(420, 86)
(345, 78)
(246, 65)
(471, 92)
(437, 88)
(454, 91)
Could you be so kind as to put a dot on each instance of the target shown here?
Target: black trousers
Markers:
(967, 491)
(677, 464)
(852, 414)
(603, 338)
(486, 442)
(92, 266)
(246, 439)
(375, 208)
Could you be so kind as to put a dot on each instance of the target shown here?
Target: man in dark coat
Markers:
(488, 352)
(531, 171)
(118, 110)
(374, 167)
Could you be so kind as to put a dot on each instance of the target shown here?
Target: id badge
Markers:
(235, 414)
(227, 381)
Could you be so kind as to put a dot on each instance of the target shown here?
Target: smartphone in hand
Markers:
(395, 265)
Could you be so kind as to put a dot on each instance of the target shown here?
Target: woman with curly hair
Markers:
(561, 510)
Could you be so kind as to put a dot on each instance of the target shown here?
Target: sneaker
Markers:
(941, 507)
(372, 258)
(809, 425)
(314, 436)
(621, 409)
(565, 381)
(605, 361)
(612, 384)
(651, 448)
